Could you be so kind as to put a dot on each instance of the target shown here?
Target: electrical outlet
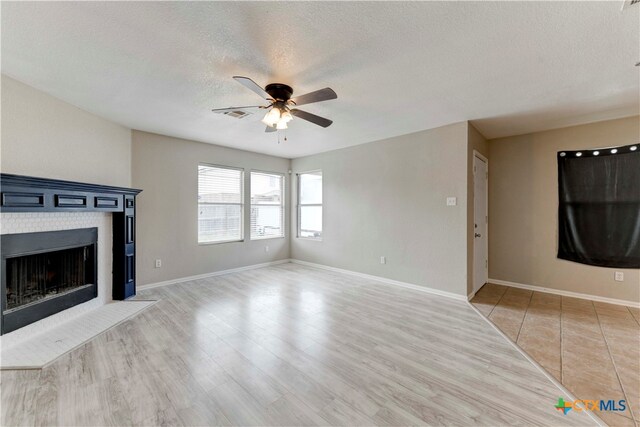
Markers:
(452, 201)
(619, 276)
(383, 260)
(158, 263)
(266, 248)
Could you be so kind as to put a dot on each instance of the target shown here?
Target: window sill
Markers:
(313, 239)
(220, 242)
(253, 239)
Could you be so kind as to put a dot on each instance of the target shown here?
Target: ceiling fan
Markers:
(281, 105)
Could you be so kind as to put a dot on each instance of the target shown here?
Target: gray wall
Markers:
(388, 198)
(385, 198)
(43, 136)
(523, 204)
(166, 169)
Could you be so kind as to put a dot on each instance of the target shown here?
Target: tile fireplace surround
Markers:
(29, 222)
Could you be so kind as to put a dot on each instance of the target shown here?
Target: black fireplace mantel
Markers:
(30, 194)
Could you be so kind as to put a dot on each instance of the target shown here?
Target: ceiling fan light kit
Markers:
(281, 125)
(278, 117)
(280, 102)
(286, 116)
(272, 117)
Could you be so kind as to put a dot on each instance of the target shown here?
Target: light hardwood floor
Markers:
(592, 348)
(289, 345)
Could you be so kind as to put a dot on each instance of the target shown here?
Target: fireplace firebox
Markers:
(45, 273)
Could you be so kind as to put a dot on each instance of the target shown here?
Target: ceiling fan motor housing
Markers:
(279, 91)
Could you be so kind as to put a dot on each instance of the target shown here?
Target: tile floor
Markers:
(592, 348)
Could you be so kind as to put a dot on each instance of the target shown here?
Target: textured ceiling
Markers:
(510, 67)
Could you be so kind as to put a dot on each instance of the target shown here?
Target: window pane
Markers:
(311, 221)
(219, 185)
(266, 221)
(311, 188)
(266, 189)
(219, 204)
(267, 205)
(217, 223)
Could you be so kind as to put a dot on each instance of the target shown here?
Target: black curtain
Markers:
(599, 206)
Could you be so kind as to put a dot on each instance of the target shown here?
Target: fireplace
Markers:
(45, 273)
(66, 275)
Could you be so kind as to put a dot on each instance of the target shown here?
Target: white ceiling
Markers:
(511, 67)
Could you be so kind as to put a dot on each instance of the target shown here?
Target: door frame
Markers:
(486, 195)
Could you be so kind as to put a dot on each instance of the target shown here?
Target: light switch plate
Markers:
(452, 201)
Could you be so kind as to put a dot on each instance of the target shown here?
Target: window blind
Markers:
(267, 205)
(310, 205)
(220, 204)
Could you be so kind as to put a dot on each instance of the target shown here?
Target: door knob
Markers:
(478, 235)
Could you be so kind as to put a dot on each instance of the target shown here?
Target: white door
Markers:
(481, 219)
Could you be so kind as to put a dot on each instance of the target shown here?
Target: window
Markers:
(267, 205)
(310, 205)
(220, 204)
(599, 201)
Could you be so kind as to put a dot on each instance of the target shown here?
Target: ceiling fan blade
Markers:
(270, 129)
(227, 110)
(319, 95)
(320, 121)
(251, 85)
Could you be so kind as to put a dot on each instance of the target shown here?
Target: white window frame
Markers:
(282, 204)
(241, 204)
(300, 205)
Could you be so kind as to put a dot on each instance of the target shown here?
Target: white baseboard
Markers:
(384, 280)
(566, 293)
(308, 264)
(212, 274)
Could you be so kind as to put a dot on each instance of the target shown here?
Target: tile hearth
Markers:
(46, 347)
